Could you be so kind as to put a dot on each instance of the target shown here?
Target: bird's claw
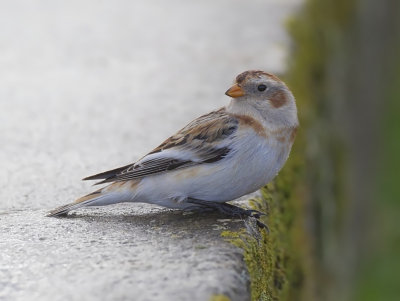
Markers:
(231, 210)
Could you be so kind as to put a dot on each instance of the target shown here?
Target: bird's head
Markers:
(267, 94)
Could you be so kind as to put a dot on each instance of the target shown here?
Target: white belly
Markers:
(254, 165)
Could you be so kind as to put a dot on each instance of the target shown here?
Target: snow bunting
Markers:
(216, 158)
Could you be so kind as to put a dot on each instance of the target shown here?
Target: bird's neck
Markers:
(241, 107)
(271, 120)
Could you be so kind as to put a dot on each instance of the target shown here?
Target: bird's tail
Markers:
(96, 198)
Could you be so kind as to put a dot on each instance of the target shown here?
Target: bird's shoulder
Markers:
(208, 129)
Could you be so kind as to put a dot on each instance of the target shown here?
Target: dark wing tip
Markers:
(107, 174)
(60, 211)
(108, 180)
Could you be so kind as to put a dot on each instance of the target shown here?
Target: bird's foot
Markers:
(231, 210)
(198, 209)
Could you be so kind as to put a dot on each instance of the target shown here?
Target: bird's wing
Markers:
(207, 139)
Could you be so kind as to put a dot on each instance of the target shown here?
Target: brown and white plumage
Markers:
(199, 139)
(217, 157)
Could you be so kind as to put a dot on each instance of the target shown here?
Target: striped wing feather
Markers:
(205, 140)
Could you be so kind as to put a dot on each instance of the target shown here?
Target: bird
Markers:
(216, 158)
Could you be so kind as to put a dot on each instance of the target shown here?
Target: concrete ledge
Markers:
(122, 253)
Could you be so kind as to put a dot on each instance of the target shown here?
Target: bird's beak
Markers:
(235, 91)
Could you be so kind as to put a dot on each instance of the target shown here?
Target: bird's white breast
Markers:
(253, 162)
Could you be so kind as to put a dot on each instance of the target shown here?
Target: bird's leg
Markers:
(230, 210)
(199, 209)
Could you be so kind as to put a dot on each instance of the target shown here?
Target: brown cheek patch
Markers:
(251, 122)
(278, 99)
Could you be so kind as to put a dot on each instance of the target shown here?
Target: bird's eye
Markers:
(261, 87)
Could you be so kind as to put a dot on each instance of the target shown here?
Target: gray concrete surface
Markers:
(91, 85)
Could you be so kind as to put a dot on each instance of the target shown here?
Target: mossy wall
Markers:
(333, 227)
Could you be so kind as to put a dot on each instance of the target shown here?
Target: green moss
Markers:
(274, 267)
(219, 298)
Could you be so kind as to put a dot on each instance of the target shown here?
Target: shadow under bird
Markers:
(216, 158)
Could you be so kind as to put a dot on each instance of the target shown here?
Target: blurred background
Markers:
(90, 85)
(345, 72)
